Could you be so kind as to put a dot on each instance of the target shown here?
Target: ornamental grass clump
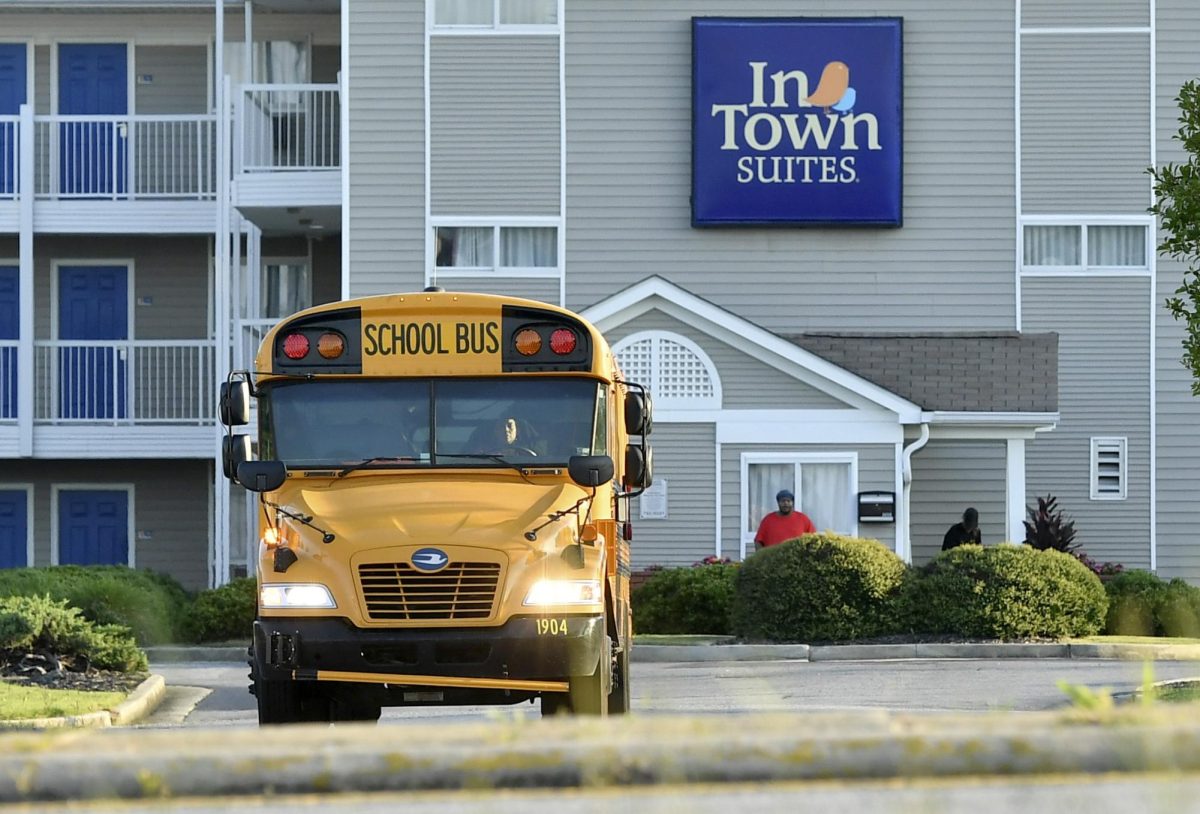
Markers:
(820, 587)
(1008, 592)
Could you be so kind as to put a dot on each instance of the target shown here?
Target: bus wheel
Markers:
(287, 702)
(586, 694)
(618, 699)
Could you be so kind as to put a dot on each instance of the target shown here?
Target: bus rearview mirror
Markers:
(590, 470)
(234, 404)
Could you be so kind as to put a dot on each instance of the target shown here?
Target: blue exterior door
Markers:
(14, 528)
(93, 303)
(92, 81)
(10, 312)
(93, 527)
(12, 96)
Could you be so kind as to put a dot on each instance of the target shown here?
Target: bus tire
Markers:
(618, 699)
(287, 701)
(586, 694)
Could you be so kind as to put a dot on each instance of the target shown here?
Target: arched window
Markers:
(674, 368)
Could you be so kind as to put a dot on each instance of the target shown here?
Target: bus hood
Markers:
(382, 512)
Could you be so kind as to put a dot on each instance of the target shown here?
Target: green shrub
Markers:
(41, 623)
(1008, 592)
(685, 600)
(151, 605)
(821, 587)
(1141, 604)
(225, 613)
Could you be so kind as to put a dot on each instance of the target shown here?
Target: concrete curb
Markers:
(569, 753)
(168, 654)
(144, 699)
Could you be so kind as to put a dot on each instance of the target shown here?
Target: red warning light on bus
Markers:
(295, 346)
(562, 341)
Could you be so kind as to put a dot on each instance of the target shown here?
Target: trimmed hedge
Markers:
(43, 624)
(225, 613)
(1006, 592)
(820, 587)
(151, 605)
(1141, 604)
(685, 600)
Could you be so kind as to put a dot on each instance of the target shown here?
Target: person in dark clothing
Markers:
(964, 533)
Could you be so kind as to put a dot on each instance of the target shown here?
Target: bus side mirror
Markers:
(590, 470)
(262, 476)
(639, 413)
(639, 466)
(234, 404)
(235, 450)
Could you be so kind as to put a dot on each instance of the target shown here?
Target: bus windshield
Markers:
(490, 422)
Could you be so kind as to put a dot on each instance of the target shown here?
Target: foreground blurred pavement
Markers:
(593, 754)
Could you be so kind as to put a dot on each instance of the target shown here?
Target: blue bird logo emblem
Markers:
(430, 559)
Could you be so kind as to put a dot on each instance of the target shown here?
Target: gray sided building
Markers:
(997, 333)
(1007, 340)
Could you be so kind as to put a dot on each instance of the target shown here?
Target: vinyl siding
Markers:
(746, 382)
(387, 153)
(542, 290)
(1178, 410)
(876, 472)
(170, 500)
(685, 457)
(494, 126)
(628, 118)
(1085, 12)
(1085, 123)
(178, 85)
(1103, 381)
(948, 477)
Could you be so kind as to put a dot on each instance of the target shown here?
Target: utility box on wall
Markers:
(877, 507)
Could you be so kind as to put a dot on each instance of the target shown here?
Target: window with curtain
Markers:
(286, 289)
(496, 247)
(823, 491)
(1108, 246)
(495, 13)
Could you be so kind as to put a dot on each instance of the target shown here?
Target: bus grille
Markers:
(461, 590)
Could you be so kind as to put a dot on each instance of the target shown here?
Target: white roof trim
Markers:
(657, 292)
(1022, 419)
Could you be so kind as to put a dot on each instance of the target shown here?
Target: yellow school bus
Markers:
(444, 483)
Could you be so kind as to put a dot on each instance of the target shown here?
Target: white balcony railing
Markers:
(10, 156)
(288, 128)
(247, 339)
(124, 381)
(125, 157)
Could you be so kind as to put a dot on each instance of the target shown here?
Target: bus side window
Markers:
(600, 433)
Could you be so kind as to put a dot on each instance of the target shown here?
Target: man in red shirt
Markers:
(785, 524)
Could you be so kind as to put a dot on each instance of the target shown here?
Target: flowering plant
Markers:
(712, 559)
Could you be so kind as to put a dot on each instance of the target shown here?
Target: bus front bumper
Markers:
(526, 653)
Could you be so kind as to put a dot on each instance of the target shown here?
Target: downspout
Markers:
(905, 499)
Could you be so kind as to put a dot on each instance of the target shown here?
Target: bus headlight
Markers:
(302, 595)
(565, 592)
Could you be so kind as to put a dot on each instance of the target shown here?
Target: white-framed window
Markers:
(825, 485)
(676, 371)
(1109, 468)
(507, 16)
(515, 250)
(1085, 246)
(285, 287)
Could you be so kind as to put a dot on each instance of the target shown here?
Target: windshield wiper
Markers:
(378, 459)
(482, 456)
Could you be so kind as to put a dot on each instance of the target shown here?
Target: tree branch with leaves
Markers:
(1177, 204)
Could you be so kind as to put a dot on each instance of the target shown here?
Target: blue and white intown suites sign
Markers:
(796, 121)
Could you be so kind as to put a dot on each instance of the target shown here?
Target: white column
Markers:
(1014, 492)
(222, 296)
(25, 357)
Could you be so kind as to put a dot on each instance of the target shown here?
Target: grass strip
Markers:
(20, 702)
